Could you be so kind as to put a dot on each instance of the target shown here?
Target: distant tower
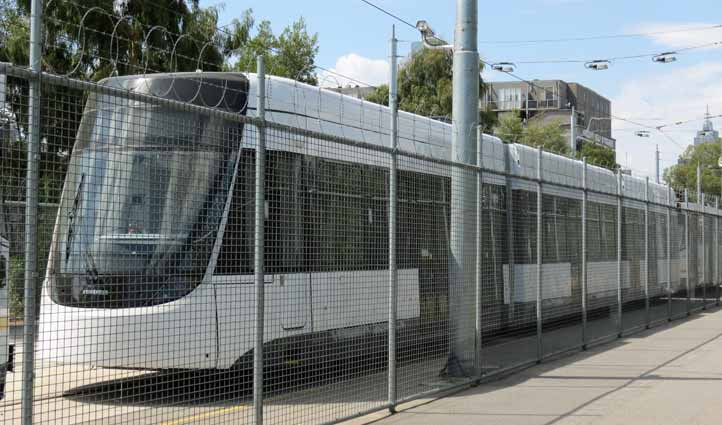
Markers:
(708, 133)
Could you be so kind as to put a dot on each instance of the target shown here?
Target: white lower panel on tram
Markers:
(308, 302)
(179, 334)
(557, 276)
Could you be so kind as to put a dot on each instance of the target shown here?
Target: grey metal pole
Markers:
(526, 104)
(699, 183)
(258, 255)
(703, 272)
(31, 211)
(700, 267)
(539, 223)
(656, 163)
(687, 246)
(573, 133)
(669, 253)
(620, 328)
(393, 208)
(646, 253)
(479, 250)
(465, 113)
(584, 254)
(716, 253)
(510, 235)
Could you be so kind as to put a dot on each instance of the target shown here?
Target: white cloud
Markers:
(357, 67)
(678, 36)
(678, 95)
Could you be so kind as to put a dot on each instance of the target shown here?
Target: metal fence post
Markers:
(584, 254)
(646, 253)
(479, 249)
(258, 254)
(539, 223)
(687, 246)
(393, 208)
(510, 234)
(669, 253)
(716, 253)
(31, 211)
(619, 254)
(703, 269)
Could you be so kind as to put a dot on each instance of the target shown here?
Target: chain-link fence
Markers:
(199, 247)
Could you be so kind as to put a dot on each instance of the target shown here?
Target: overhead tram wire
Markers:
(619, 58)
(386, 12)
(565, 39)
(602, 37)
(223, 29)
(539, 87)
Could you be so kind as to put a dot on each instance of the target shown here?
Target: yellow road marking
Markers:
(206, 415)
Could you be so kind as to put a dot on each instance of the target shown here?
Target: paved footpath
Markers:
(671, 374)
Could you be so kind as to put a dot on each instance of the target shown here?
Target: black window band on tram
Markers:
(141, 229)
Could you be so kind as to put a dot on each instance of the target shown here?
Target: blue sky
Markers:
(353, 39)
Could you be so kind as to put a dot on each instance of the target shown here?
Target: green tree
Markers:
(684, 174)
(548, 136)
(425, 86)
(599, 155)
(291, 54)
(380, 95)
(510, 128)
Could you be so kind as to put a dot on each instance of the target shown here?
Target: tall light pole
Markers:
(573, 132)
(465, 115)
(656, 162)
(465, 120)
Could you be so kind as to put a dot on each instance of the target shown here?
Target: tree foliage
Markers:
(183, 31)
(510, 128)
(549, 136)
(425, 85)
(684, 175)
(291, 54)
(599, 155)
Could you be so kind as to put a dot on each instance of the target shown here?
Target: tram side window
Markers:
(524, 217)
(423, 221)
(3, 271)
(494, 243)
(552, 234)
(347, 217)
(595, 241)
(236, 255)
(608, 232)
(284, 239)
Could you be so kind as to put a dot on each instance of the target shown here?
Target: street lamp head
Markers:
(503, 67)
(428, 36)
(424, 28)
(666, 57)
(598, 65)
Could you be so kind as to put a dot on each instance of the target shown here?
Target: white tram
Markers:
(151, 263)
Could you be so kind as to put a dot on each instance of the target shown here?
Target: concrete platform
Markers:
(671, 374)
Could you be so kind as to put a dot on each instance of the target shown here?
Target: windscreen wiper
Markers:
(72, 216)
